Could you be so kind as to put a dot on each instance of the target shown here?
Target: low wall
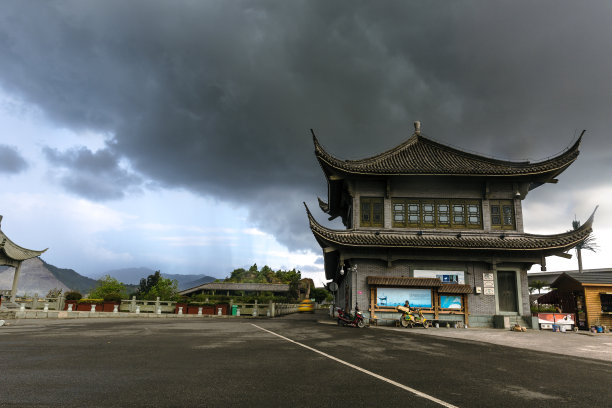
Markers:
(146, 308)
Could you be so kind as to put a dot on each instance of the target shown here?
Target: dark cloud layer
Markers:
(219, 97)
(11, 161)
(94, 175)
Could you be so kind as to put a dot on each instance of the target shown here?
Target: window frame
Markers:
(435, 213)
(500, 205)
(371, 202)
(606, 307)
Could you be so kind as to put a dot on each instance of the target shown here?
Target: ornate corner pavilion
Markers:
(13, 255)
(424, 212)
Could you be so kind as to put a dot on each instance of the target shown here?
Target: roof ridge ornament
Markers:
(417, 128)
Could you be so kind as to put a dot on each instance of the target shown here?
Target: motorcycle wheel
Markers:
(360, 324)
(404, 323)
(426, 325)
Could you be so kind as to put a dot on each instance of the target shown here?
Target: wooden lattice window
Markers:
(372, 211)
(474, 216)
(443, 216)
(428, 214)
(399, 213)
(436, 213)
(502, 214)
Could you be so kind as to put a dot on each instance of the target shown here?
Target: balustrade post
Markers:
(157, 303)
(35, 302)
(133, 305)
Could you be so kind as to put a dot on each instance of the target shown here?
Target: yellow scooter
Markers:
(411, 318)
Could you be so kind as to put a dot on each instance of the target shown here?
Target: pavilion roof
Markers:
(14, 251)
(421, 156)
(484, 241)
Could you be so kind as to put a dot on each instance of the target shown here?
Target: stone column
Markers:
(271, 308)
(15, 281)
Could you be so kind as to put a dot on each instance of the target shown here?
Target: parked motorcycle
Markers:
(346, 319)
(411, 318)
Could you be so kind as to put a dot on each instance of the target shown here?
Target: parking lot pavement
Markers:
(292, 361)
(577, 344)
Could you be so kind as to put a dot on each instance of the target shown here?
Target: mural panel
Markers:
(398, 296)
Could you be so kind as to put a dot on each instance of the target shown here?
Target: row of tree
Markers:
(156, 285)
(268, 275)
(150, 288)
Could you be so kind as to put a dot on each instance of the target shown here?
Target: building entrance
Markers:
(506, 287)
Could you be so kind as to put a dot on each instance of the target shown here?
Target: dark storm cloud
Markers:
(218, 97)
(11, 161)
(94, 175)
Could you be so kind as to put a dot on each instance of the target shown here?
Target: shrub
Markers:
(90, 301)
(73, 295)
(113, 297)
(543, 308)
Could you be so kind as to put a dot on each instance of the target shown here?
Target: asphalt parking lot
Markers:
(293, 361)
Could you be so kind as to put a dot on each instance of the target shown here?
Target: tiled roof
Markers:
(251, 287)
(421, 156)
(14, 251)
(593, 278)
(449, 239)
(403, 281)
(454, 288)
(550, 276)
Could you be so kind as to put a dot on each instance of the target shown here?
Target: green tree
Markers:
(155, 285)
(165, 289)
(588, 244)
(147, 283)
(107, 286)
(320, 294)
(537, 285)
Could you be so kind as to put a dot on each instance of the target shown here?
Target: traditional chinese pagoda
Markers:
(439, 227)
(13, 255)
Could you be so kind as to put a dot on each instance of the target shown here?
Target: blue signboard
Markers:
(450, 302)
(398, 296)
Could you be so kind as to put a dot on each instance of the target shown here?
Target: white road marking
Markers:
(363, 370)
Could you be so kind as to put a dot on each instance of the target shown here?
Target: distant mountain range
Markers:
(133, 276)
(39, 277)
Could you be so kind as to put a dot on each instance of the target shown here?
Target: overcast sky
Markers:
(175, 134)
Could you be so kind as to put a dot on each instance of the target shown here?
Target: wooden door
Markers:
(506, 289)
